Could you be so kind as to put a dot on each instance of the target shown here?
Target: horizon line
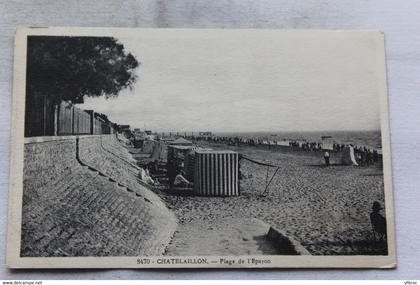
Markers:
(268, 131)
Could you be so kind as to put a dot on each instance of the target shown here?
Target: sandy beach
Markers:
(326, 209)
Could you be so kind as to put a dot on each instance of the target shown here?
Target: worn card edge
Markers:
(13, 259)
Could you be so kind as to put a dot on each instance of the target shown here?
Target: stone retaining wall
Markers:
(93, 154)
(113, 145)
(285, 244)
(74, 209)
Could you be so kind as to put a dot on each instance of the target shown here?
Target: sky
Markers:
(250, 80)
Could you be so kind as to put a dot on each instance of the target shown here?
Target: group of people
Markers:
(306, 146)
(338, 147)
(174, 172)
(227, 140)
(365, 156)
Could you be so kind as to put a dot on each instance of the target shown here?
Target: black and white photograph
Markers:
(200, 148)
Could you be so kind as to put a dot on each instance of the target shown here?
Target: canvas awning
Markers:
(180, 141)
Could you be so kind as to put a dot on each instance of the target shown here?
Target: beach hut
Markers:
(327, 143)
(180, 141)
(178, 151)
(159, 152)
(216, 173)
(189, 163)
(148, 146)
(348, 157)
(177, 155)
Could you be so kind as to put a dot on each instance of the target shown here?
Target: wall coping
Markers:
(283, 240)
(30, 140)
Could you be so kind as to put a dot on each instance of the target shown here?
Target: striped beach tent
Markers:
(216, 173)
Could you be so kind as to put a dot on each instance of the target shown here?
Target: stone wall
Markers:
(74, 209)
(285, 245)
(55, 150)
(112, 144)
(105, 160)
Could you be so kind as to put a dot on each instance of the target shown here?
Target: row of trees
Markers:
(70, 68)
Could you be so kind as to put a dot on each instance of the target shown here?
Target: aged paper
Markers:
(183, 148)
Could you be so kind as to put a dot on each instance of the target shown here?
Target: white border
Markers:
(16, 174)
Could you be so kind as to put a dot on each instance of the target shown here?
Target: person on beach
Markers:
(156, 166)
(145, 176)
(375, 156)
(327, 158)
(378, 221)
(180, 180)
(171, 172)
(368, 157)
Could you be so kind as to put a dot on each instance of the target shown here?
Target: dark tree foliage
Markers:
(68, 68)
(103, 117)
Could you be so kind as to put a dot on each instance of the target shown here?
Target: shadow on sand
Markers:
(325, 166)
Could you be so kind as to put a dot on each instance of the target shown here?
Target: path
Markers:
(225, 237)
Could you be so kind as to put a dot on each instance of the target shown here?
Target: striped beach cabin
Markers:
(216, 173)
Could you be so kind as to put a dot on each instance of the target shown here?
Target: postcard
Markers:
(200, 148)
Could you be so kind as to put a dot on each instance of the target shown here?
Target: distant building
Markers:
(327, 142)
(125, 130)
(205, 134)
